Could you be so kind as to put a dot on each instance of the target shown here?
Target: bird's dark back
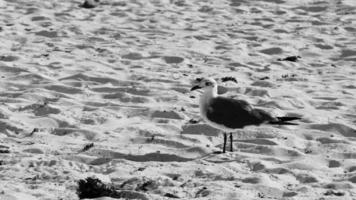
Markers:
(233, 113)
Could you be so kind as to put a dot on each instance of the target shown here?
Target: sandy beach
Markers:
(104, 92)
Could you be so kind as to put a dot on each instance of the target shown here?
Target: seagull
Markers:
(229, 114)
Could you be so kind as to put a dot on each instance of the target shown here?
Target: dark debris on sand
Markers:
(228, 78)
(4, 149)
(87, 147)
(90, 4)
(193, 121)
(171, 196)
(335, 193)
(93, 188)
(290, 58)
(264, 78)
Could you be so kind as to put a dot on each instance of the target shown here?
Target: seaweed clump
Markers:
(93, 188)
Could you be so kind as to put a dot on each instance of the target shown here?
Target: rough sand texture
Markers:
(118, 76)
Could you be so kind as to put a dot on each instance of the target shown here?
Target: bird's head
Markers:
(203, 83)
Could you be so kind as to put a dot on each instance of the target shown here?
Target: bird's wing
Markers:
(234, 113)
(263, 115)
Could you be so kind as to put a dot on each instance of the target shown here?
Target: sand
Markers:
(104, 92)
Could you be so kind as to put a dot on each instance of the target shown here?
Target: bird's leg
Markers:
(225, 139)
(231, 142)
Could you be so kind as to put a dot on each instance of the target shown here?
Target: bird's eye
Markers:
(208, 83)
(198, 79)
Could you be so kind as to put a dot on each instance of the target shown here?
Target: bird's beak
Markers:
(195, 88)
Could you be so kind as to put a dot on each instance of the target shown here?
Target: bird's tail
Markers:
(285, 120)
